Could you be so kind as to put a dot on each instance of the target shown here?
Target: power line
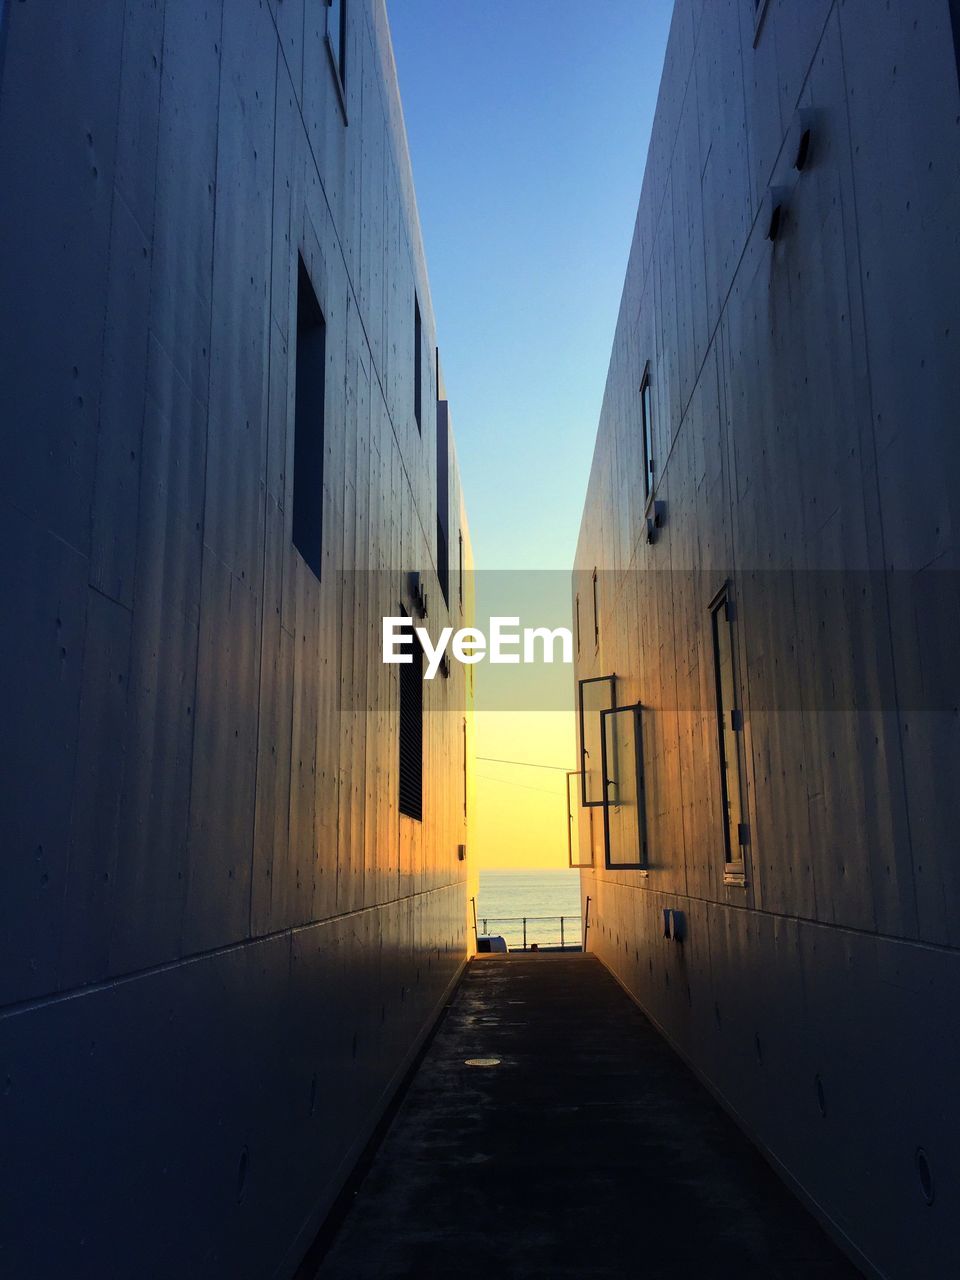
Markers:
(506, 782)
(525, 764)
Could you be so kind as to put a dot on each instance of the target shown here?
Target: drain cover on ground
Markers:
(482, 1062)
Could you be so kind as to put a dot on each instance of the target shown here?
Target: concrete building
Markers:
(232, 886)
(766, 575)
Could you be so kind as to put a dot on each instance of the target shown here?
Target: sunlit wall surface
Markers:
(767, 567)
(220, 940)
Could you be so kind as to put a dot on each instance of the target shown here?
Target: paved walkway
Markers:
(590, 1151)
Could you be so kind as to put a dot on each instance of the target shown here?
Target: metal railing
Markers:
(545, 933)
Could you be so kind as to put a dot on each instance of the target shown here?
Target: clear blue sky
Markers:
(528, 123)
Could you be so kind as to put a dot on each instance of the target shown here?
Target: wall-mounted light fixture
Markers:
(656, 520)
(678, 926)
(418, 594)
(674, 924)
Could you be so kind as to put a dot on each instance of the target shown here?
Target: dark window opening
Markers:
(308, 423)
(646, 410)
(729, 733)
(417, 364)
(411, 733)
(337, 37)
(443, 500)
(578, 624)
(596, 612)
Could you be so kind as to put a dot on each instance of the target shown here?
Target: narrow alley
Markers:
(588, 1150)
(476, 479)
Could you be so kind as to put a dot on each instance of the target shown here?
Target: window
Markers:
(729, 734)
(411, 733)
(597, 694)
(443, 503)
(460, 570)
(574, 850)
(337, 38)
(955, 24)
(417, 363)
(596, 612)
(646, 410)
(578, 624)
(624, 804)
(308, 423)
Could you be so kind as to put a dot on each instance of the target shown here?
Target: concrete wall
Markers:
(805, 397)
(219, 941)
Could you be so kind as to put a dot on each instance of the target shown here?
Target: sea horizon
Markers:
(541, 895)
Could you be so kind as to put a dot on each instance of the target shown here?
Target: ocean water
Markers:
(541, 896)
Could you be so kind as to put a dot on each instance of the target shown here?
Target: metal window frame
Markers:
(417, 363)
(585, 803)
(642, 861)
(572, 814)
(460, 572)
(443, 499)
(646, 428)
(338, 60)
(735, 867)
